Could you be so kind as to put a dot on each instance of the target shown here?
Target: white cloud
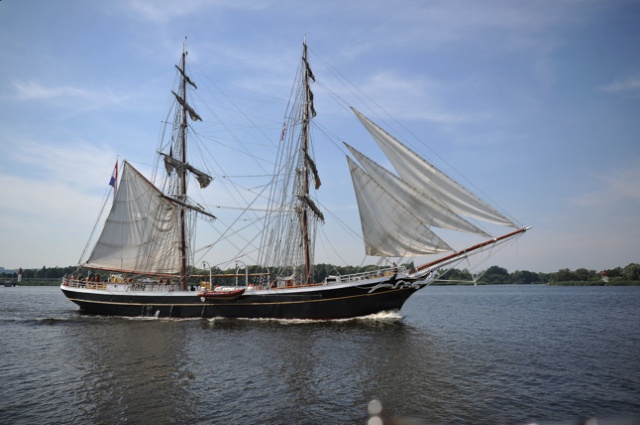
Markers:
(45, 221)
(43, 201)
(82, 166)
(50, 197)
(36, 91)
(30, 90)
(626, 85)
(163, 11)
(406, 97)
(619, 185)
(436, 23)
(624, 184)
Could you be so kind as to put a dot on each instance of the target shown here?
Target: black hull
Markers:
(319, 304)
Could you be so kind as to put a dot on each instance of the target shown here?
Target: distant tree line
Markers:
(43, 273)
(494, 275)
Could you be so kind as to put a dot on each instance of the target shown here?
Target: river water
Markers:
(453, 355)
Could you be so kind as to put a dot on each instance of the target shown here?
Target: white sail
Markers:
(388, 227)
(433, 212)
(426, 177)
(141, 233)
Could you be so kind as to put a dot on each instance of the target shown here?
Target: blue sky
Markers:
(536, 103)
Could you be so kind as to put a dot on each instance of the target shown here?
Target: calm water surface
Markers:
(454, 355)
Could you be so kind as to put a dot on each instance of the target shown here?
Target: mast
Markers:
(181, 167)
(305, 183)
(182, 173)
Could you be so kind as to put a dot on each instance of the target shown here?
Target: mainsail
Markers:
(425, 176)
(141, 233)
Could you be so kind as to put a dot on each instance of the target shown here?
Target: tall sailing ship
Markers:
(142, 263)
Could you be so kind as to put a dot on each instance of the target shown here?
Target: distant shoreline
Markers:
(591, 283)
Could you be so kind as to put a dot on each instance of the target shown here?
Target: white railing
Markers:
(347, 278)
(124, 285)
(83, 283)
(121, 285)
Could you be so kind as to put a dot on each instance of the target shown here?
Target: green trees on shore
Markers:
(628, 275)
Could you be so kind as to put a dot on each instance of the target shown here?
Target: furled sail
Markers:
(426, 177)
(389, 228)
(432, 212)
(186, 77)
(141, 233)
(171, 164)
(192, 113)
(312, 205)
(312, 165)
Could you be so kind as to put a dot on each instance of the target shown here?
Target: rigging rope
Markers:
(95, 225)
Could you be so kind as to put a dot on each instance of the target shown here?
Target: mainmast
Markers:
(305, 178)
(182, 172)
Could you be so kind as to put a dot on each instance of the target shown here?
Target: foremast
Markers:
(177, 161)
(148, 230)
